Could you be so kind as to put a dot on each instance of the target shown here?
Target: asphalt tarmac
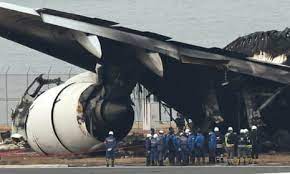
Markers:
(144, 170)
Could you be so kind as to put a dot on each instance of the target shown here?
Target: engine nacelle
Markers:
(73, 118)
(52, 124)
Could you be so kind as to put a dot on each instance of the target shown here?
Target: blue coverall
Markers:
(212, 147)
(184, 149)
(178, 150)
(148, 149)
(199, 147)
(161, 149)
(153, 152)
(110, 143)
(171, 147)
(191, 147)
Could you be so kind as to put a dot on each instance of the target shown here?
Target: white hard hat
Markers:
(181, 133)
(155, 136)
(230, 129)
(161, 132)
(111, 133)
(246, 130)
(242, 131)
(187, 131)
(216, 129)
(254, 127)
(148, 135)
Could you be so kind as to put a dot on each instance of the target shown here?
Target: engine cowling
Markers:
(73, 118)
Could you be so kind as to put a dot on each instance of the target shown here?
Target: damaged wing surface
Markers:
(54, 32)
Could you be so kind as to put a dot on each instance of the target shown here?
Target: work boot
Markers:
(107, 161)
(148, 162)
(113, 163)
(236, 161)
(229, 162)
(217, 160)
(250, 161)
(193, 161)
(198, 162)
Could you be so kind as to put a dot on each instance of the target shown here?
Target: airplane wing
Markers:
(68, 37)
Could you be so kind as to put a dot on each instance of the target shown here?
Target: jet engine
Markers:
(75, 117)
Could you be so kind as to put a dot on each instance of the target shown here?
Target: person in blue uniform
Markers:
(178, 149)
(191, 139)
(154, 152)
(183, 141)
(188, 135)
(199, 147)
(161, 147)
(171, 146)
(212, 147)
(111, 144)
(148, 149)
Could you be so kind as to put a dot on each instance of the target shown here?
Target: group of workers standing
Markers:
(243, 146)
(191, 148)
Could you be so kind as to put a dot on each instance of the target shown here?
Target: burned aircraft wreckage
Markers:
(201, 83)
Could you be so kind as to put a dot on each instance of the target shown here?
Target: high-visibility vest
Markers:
(227, 139)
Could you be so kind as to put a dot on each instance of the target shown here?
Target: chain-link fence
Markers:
(14, 83)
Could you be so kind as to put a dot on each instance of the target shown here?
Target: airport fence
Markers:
(13, 84)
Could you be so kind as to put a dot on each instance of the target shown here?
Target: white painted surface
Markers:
(86, 77)
(71, 132)
(152, 61)
(53, 126)
(89, 42)
(39, 127)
